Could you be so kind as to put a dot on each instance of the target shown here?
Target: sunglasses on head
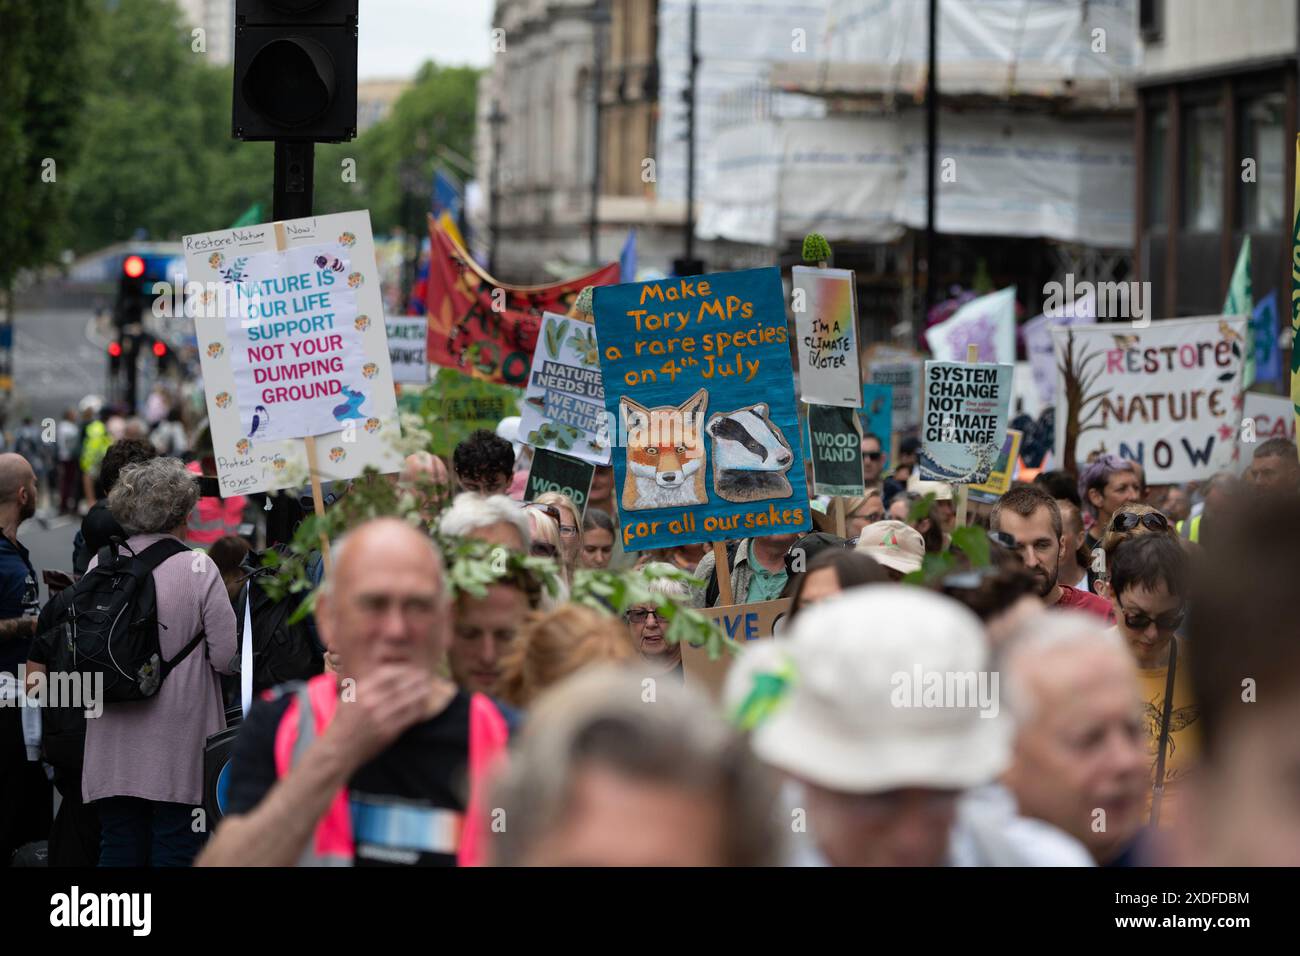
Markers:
(1127, 521)
(550, 511)
(1165, 623)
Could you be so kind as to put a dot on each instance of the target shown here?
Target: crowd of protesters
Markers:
(1130, 676)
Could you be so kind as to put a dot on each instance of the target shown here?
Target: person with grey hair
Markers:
(600, 778)
(495, 519)
(1079, 760)
(646, 627)
(144, 760)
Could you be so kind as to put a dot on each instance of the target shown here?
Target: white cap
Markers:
(508, 428)
(893, 543)
(941, 489)
(852, 719)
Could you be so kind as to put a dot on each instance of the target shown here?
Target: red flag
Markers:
(483, 327)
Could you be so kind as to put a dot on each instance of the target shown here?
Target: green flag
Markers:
(251, 216)
(1238, 302)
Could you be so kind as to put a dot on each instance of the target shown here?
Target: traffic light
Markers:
(132, 294)
(295, 70)
(114, 357)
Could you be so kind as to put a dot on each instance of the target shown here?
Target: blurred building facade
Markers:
(217, 19)
(1216, 124)
(375, 99)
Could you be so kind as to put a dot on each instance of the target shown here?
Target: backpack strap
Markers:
(488, 738)
(151, 557)
(1158, 791)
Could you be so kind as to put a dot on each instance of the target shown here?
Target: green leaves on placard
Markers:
(816, 249)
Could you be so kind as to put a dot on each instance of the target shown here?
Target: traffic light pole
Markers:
(291, 199)
(294, 165)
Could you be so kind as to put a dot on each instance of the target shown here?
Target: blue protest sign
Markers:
(699, 386)
(877, 416)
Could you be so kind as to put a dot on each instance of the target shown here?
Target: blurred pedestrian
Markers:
(495, 520)
(1275, 467)
(601, 779)
(570, 525)
(144, 759)
(99, 526)
(1106, 484)
(829, 573)
(758, 571)
(484, 463)
(597, 539)
(68, 442)
(485, 626)
(554, 644)
(648, 630)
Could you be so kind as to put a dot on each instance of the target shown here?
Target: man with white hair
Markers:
(495, 519)
(368, 766)
(892, 736)
(1079, 760)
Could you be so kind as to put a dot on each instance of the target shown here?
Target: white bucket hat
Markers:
(854, 719)
(895, 544)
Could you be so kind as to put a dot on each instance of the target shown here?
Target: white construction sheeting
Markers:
(863, 178)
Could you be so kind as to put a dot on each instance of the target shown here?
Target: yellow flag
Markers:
(449, 227)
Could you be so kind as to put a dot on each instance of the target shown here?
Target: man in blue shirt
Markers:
(25, 797)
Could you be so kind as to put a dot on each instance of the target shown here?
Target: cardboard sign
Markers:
(1167, 396)
(1003, 472)
(698, 379)
(904, 374)
(408, 349)
(292, 344)
(564, 403)
(457, 405)
(877, 417)
(740, 622)
(552, 471)
(826, 323)
(482, 326)
(966, 409)
(836, 448)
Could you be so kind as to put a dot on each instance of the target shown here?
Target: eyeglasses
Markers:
(544, 549)
(638, 615)
(873, 455)
(568, 531)
(1165, 623)
(1127, 521)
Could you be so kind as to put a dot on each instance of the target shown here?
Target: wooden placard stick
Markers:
(722, 568)
(972, 356)
(317, 499)
(841, 526)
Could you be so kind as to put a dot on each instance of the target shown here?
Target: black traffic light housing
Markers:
(295, 70)
(132, 291)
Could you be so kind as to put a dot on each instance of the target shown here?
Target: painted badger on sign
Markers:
(750, 455)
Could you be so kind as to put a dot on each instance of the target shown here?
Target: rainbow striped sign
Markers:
(824, 303)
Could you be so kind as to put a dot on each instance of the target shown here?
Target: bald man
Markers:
(1080, 760)
(25, 798)
(425, 475)
(383, 783)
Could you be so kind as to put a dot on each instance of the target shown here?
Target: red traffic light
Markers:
(115, 349)
(133, 266)
(160, 349)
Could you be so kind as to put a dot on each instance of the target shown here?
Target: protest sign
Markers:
(698, 379)
(836, 448)
(292, 345)
(482, 326)
(1273, 416)
(826, 324)
(966, 408)
(999, 482)
(903, 373)
(408, 348)
(988, 322)
(455, 405)
(1263, 325)
(552, 471)
(1167, 396)
(877, 417)
(564, 402)
(741, 623)
(1037, 333)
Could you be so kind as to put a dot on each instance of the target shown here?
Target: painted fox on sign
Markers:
(665, 454)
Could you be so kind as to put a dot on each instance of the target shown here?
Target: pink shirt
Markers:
(153, 749)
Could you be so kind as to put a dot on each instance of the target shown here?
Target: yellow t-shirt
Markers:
(1184, 736)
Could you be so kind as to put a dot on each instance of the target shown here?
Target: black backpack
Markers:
(282, 652)
(63, 729)
(110, 624)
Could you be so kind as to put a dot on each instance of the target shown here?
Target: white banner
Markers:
(1167, 396)
(1274, 417)
(989, 323)
(408, 348)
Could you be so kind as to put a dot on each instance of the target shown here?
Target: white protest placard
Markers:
(989, 323)
(826, 325)
(564, 403)
(292, 344)
(1037, 334)
(966, 410)
(1273, 417)
(408, 349)
(1167, 396)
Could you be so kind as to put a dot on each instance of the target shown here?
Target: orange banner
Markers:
(483, 327)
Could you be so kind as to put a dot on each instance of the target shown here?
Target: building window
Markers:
(1203, 168)
(1151, 19)
(1263, 130)
(1157, 162)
